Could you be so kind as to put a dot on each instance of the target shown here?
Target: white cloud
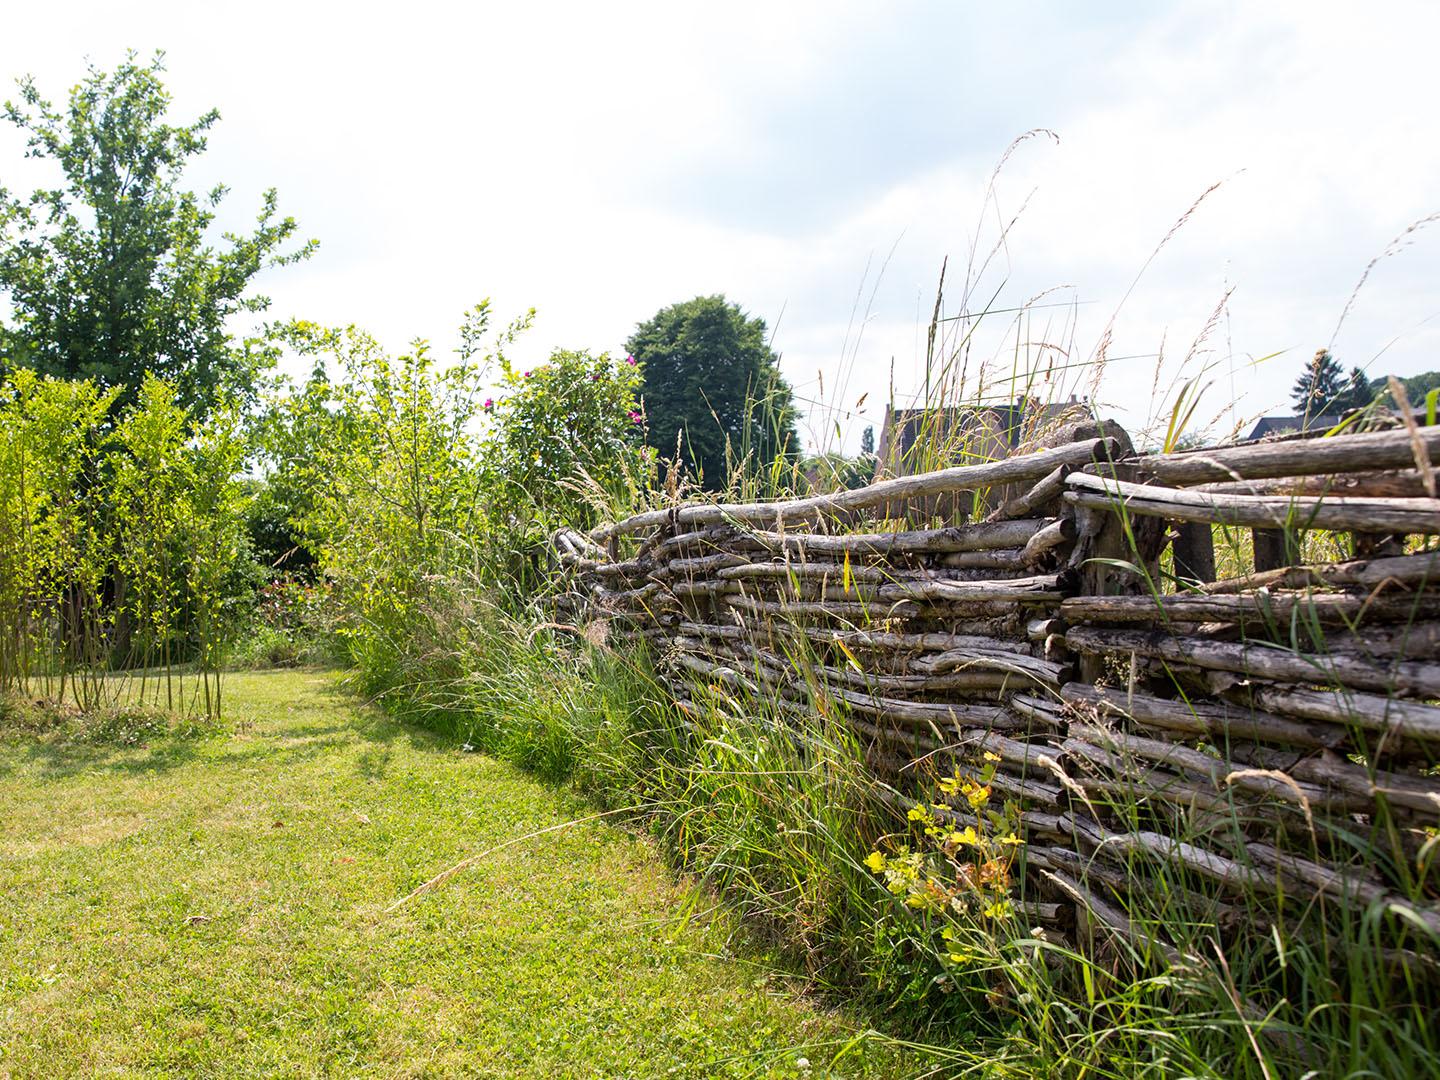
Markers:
(600, 162)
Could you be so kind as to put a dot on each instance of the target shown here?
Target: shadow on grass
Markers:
(62, 760)
(340, 716)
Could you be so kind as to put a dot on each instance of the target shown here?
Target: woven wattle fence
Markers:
(1243, 732)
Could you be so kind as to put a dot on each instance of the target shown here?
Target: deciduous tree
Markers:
(113, 274)
(711, 381)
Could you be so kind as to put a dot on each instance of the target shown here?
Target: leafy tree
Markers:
(386, 481)
(111, 275)
(120, 540)
(54, 550)
(867, 440)
(710, 381)
(565, 441)
(1422, 391)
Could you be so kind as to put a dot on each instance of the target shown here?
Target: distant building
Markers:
(960, 434)
(1289, 425)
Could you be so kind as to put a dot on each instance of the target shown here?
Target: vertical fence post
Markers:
(1194, 552)
(1275, 548)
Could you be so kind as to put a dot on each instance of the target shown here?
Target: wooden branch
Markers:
(1372, 712)
(700, 565)
(581, 543)
(833, 573)
(1410, 639)
(801, 668)
(1208, 864)
(1047, 490)
(1217, 773)
(1011, 750)
(1041, 628)
(990, 559)
(1422, 568)
(1420, 794)
(877, 640)
(947, 713)
(1045, 672)
(825, 571)
(1268, 662)
(1347, 887)
(703, 588)
(1216, 719)
(1110, 917)
(815, 508)
(1020, 590)
(825, 609)
(970, 538)
(1154, 786)
(1060, 531)
(1042, 712)
(1390, 484)
(1305, 457)
(1194, 552)
(1257, 511)
(708, 537)
(1269, 608)
(1175, 755)
(627, 568)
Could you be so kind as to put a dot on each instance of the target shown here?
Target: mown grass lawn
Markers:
(217, 907)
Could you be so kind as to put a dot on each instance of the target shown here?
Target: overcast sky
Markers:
(597, 162)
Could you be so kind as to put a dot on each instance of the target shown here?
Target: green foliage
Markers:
(111, 275)
(1323, 388)
(565, 440)
(1420, 391)
(149, 484)
(712, 389)
(55, 545)
(383, 470)
(836, 472)
(290, 624)
(423, 489)
(123, 542)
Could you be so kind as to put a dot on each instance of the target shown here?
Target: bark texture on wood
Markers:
(1259, 511)
(1305, 457)
(1229, 730)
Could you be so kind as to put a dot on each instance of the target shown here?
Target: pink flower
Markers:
(594, 378)
(527, 374)
(630, 360)
(489, 403)
(635, 417)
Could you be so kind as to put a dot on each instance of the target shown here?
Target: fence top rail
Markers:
(1260, 511)
(940, 482)
(1333, 454)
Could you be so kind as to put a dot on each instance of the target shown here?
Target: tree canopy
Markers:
(1324, 388)
(1418, 389)
(710, 381)
(111, 275)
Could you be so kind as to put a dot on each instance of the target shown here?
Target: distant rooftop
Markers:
(1285, 425)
